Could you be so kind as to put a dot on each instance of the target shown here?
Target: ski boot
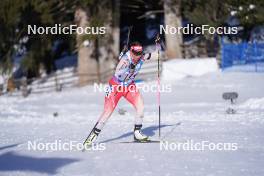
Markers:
(92, 137)
(138, 135)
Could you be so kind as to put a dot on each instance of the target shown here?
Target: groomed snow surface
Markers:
(193, 111)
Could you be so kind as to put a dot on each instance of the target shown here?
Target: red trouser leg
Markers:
(133, 96)
(111, 99)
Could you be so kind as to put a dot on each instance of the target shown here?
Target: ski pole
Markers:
(157, 41)
(128, 35)
(125, 48)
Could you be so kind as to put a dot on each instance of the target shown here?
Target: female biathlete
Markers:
(122, 85)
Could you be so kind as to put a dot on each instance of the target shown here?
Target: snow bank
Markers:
(1, 79)
(254, 67)
(180, 68)
(254, 103)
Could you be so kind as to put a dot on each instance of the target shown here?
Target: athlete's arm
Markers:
(122, 66)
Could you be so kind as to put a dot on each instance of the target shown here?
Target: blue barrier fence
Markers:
(243, 57)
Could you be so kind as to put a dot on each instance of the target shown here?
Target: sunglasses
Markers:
(137, 50)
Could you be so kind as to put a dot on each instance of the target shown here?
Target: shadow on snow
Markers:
(9, 146)
(11, 161)
(149, 131)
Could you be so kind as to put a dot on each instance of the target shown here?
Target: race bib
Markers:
(108, 91)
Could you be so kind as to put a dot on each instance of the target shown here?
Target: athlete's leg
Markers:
(134, 97)
(111, 99)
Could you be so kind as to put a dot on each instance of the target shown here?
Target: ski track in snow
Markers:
(194, 110)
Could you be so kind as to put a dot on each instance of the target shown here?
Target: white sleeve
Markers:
(122, 66)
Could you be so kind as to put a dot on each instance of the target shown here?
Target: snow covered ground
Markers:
(193, 111)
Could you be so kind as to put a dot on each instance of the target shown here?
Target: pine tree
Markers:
(15, 16)
(216, 12)
(37, 50)
(172, 16)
